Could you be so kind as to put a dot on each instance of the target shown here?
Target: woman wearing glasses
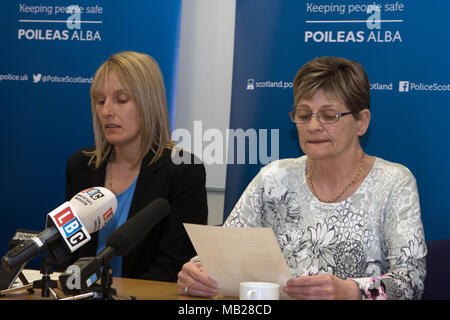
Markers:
(347, 223)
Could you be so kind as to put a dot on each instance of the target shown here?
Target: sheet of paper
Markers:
(232, 255)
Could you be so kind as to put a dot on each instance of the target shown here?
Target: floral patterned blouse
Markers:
(375, 237)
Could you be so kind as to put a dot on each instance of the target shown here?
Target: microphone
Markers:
(71, 223)
(85, 271)
(127, 236)
(20, 236)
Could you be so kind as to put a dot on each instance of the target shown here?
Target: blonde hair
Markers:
(141, 76)
(346, 79)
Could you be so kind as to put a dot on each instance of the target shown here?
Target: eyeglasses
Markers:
(323, 116)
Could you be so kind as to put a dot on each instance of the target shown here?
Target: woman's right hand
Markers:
(193, 277)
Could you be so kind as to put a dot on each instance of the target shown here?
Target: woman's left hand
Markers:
(322, 287)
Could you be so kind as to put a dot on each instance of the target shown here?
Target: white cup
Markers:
(259, 291)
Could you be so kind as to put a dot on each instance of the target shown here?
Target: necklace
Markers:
(109, 172)
(109, 175)
(309, 177)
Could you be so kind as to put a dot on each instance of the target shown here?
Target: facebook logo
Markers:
(403, 86)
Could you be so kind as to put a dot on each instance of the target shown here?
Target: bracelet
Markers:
(195, 259)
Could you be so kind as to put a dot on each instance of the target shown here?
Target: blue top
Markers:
(120, 217)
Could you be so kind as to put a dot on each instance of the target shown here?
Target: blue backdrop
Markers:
(406, 58)
(46, 67)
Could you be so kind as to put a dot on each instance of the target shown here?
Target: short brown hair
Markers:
(346, 79)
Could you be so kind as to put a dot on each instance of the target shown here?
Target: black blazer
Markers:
(161, 255)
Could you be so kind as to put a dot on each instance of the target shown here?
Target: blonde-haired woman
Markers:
(132, 158)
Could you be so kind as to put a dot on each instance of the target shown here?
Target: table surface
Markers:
(140, 289)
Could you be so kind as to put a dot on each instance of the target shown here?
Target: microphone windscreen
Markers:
(127, 236)
(95, 206)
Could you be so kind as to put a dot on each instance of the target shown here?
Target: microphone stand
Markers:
(25, 284)
(104, 290)
(45, 283)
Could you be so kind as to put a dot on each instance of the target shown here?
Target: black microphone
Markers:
(85, 271)
(127, 236)
(21, 236)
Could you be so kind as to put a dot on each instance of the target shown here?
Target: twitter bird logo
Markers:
(37, 77)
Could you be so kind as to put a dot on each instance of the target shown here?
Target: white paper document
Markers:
(231, 255)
